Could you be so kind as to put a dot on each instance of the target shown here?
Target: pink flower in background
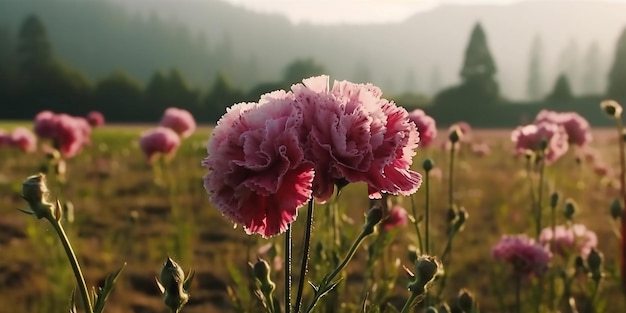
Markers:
(45, 125)
(95, 119)
(160, 140)
(529, 137)
(570, 239)
(525, 255)
(351, 133)
(465, 129)
(179, 120)
(258, 176)
(398, 217)
(481, 149)
(577, 127)
(602, 170)
(23, 139)
(426, 126)
(4, 138)
(68, 133)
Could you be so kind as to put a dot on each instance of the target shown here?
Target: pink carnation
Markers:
(258, 176)
(95, 119)
(525, 255)
(481, 149)
(351, 133)
(23, 139)
(577, 127)
(4, 138)
(529, 137)
(158, 141)
(398, 217)
(179, 120)
(68, 133)
(426, 126)
(570, 239)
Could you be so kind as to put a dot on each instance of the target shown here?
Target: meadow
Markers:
(122, 214)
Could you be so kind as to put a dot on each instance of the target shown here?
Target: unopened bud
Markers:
(374, 216)
(579, 265)
(616, 209)
(465, 300)
(451, 215)
(611, 108)
(595, 260)
(261, 270)
(455, 134)
(428, 165)
(35, 191)
(462, 215)
(174, 285)
(554, 199)
(543, 144)
(570, 209)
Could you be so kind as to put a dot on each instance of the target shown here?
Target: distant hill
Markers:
(99, 35)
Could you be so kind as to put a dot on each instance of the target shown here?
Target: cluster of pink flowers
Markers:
(20, 138)
(525, 255)
(267, 159)
(558, 130)
(426, 126)
(569, 239)
(69, 134)
(176, 124)
(95, 119)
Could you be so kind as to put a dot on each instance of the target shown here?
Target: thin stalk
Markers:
(451, 176)
(322, 289)
(80, 279)
(540, 194)
(552, 246)
(407, 306)
(288, 269)
(305, 254)
(622, 181)
(531, 184)
(416, 225)
(518, 294)
(427, 204)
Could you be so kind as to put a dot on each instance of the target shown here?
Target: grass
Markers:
(122, 216)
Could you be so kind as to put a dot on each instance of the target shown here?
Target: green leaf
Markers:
(392, 308)
(29, 212)
(240, 285)
(189, 280)
(73, 301)
(103, 293)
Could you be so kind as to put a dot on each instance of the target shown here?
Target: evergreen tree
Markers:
(478, 64)
(592, 77)
(119, 97)
(221, 96)
(617, 75)
(561, 90)
(568, 63)
(34, 49)
(301, 69)
(534, 88)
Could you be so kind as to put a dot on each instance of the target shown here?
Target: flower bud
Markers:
(554, 199)
(595, 260)
(374, 216)
(174, 285)
(451, 215)
(465, 300)
(579, 265)
(570, 209)
(462, 215)
(35, 192)
(455, 134)
(428, 165)
(261, 270)
(612, 108)
(543, 144)
(616, 209)
(426, 269)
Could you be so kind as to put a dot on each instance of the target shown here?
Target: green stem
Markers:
(407, 306)
(540, 193)
(305, 255)
(451, 176)
(288, 269)
(326, 282)
(416, 225)
(427, 231)
(518, 294)
(552, 248)
(80, 279)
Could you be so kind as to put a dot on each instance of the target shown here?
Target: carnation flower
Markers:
(258, 176)
(159, 141)
(68, 133)
(179, 120)
(426, 126)
(525, 255)
(481, 149)
(577, 127)
(570, 239)
(95, 119)
(22, 139)
(351, 133)
(397, 217)
(530, 137)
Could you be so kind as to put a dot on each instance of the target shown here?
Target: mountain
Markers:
(204, 36)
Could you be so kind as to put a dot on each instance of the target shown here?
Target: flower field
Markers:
(121, 204)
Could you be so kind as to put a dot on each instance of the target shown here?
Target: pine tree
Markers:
(592, 77)
(478, 64)
(561, 90)
(617, 75)
(34, 49)
(534, 88)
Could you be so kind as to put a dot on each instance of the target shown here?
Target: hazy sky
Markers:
(359, 11)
